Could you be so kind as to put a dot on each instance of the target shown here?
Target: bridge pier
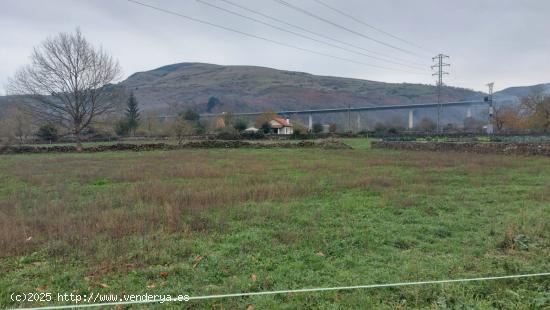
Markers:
(411, 119)
(310, 123)
(469, 112)
(358, 122)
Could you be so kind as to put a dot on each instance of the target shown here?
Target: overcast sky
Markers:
(505, 41)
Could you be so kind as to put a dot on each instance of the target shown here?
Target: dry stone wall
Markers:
(542, 149)
(325, 144)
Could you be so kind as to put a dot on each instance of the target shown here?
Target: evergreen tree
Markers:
(132, 114)
(190, 115)
(47, 132)
(212, 103)
(240, 125)
(266, 128)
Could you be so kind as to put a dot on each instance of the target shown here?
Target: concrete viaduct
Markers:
(410, 107)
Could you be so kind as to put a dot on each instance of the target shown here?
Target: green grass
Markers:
(358, 143)
(203, 222)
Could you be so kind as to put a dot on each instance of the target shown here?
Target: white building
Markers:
(251, 130)
(281, 126)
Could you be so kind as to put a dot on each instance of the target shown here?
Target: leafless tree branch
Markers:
(66, 82)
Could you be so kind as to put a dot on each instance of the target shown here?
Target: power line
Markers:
(186, 298)
(304, 36)
(316, 33)
(306, 12)
(367, 24)
(263, 38)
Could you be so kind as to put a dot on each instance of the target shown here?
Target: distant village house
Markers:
(281, 126)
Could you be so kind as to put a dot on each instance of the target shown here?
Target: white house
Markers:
(281, 126)
(251, 130)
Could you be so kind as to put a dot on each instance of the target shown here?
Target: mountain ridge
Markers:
(176, 87)
(254, 88)
(522, 91)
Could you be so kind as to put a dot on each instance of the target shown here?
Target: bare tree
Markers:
(426, 124)
(508, 117)
(182, 128)
(67, 82)
(15, 124)
(538, 107)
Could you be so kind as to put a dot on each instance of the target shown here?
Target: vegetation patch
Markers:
(213, 221)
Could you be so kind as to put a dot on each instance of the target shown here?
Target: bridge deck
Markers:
(371, 108)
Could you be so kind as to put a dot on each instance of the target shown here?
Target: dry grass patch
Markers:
(74, 198)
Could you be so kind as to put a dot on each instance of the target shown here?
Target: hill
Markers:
(246, 88)
(522, 91)
(172, 88)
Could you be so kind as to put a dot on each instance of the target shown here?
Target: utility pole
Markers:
(490, 128)
(440, 72)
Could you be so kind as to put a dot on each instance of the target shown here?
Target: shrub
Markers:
(513, 240)
(182, 127)
(226, 135)
(122, 128)
(240, 125)
(392, 131)
(299, 135)
(190, 115)
(47, 132)
(426, 124)
(200, 128)
(379, 128)
(97, 133)
(253, 135)
(317, 128)
(266, 128)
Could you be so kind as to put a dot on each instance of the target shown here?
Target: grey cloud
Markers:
(505, 41)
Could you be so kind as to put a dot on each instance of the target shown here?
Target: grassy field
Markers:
(201, 222)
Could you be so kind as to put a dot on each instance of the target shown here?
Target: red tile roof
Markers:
(283, 123)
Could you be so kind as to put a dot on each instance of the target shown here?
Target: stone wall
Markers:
(541, 149)
(325, 144)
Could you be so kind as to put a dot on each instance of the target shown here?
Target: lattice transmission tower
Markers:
(439, 66)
